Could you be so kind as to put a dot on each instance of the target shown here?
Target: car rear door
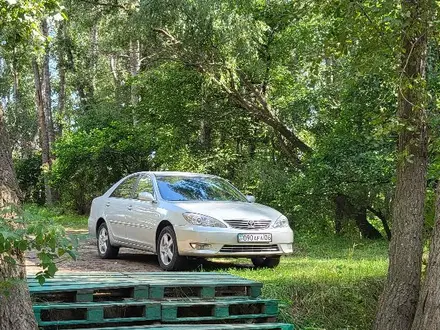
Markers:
(117, 207)
(143, 217)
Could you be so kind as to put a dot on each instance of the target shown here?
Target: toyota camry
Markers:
(178, 215)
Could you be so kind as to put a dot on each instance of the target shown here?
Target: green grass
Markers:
(329, 283)
(68, 220)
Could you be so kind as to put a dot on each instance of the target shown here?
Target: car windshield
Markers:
(193, 188)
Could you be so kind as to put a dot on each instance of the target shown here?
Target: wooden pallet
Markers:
(96, 313)
(87, 292)
(155, 285)
(176, 311)
(221, 310)
(261, 326)
(135, 301)
(164, 285)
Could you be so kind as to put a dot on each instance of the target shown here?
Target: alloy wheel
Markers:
(103, 240)
(166, 249)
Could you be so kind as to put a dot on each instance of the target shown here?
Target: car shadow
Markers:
(192, 264)
(222, 265)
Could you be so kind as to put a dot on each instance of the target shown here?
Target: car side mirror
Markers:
(146, 196)
(250, 198)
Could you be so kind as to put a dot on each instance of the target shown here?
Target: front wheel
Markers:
(269, 262)
(105, 249)
(167, 252)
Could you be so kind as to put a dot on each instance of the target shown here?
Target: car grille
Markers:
(249, 224)
(249, 248)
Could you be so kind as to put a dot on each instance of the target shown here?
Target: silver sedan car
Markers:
(179, 215)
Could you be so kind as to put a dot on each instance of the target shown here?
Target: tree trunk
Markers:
(366, 228)
(94, 55)
(205, 137)
(15, 87)
(44, 138)
(383, 219)
(428, 310)
(398, 302)
(62, 66)
(15, 302)
(113, 60)
(46, 88)
(61, 95)
(16, 84)
(339, 213)
(345, 208)
(135, 65)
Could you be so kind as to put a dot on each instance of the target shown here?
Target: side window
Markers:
(125, 189)
(145, 184)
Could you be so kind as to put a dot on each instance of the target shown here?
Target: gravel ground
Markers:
(129, 260)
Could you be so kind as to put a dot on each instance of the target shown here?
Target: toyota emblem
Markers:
(251, 224)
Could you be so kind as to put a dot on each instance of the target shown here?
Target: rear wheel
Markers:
(269, 262)
(105, 249)
(167, 252)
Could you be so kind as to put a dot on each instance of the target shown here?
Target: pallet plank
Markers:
(181, 311)
(63, 314)
(261, 326)
(89, 292)
(161, 285)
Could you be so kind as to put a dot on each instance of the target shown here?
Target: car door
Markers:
(117, 207)
(144, 216)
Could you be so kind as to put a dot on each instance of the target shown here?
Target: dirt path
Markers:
(129, 260)
(88, 260)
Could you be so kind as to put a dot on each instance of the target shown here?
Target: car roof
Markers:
(175, 173)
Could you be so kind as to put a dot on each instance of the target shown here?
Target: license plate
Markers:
(247, 238)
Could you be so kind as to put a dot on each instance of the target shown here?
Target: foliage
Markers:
(25, 232)
(89, 162)
(29, 177)
(58, 216)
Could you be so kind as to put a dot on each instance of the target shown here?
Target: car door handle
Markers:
(107, 204)
(129, 207)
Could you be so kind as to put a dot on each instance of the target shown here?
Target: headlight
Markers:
(281, 222)
(203, 220)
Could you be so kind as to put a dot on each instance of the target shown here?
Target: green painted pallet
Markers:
(96, 313)
(164, 285)
(221, 310)
(87, 292)
(261, 326)
(161, 285)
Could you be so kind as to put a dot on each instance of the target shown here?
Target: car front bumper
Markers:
(222, 242)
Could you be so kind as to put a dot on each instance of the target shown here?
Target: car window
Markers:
(145, 184)
(125, 189)
(181, 188)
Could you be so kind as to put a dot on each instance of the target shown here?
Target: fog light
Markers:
(200, 246)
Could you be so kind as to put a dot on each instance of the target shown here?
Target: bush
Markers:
(88, 163)
(30, 178)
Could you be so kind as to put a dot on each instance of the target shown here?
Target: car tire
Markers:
(269, 262)
(167, 252)
(105, 249)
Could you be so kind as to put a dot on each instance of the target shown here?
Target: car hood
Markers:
(231, 210)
